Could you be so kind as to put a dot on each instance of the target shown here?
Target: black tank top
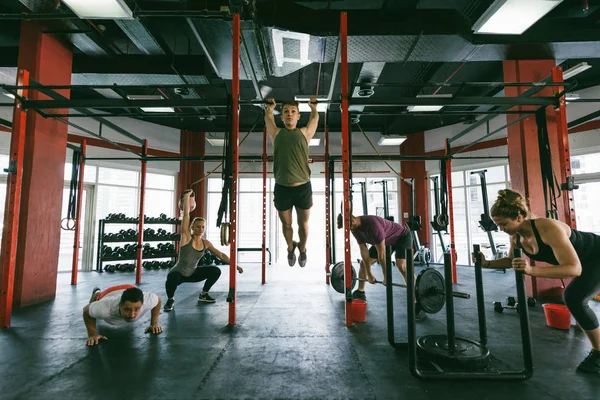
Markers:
(586, 245)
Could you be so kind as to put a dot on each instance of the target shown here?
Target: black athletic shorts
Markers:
(404, 242)
(286, 197)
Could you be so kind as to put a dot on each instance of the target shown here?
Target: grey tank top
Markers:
(188, 259)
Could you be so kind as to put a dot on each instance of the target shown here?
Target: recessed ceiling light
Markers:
(158, 109)
(513, 17)
(391, 140)
(100, 9)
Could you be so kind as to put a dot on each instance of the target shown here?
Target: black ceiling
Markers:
(411, 42)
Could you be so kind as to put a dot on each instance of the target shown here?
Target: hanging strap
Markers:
(74, 187)
(549, 181)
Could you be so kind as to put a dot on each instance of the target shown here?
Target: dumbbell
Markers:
(110, 268)
(163, 216)
(511, 304)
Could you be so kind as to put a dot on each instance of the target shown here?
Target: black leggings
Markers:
(174, 279)
(579, 292)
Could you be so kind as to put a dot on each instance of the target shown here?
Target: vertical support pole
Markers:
(75, 265)
(450, 327)
(451, 213)
(564, 153)
(235, 127)
(346, 165)
(264, 209)
(14, 184)
(138, 270)
(327, 210)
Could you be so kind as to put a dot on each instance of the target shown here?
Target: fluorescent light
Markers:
(10, 95)
(100, 9)
(579, 68)
(158, 109)
(572, 96)
(513, 17)
(391, 140)
(429, 108)
(216, 142)
(303, 106)
(144, 97)
(424, 108)
(315, 142)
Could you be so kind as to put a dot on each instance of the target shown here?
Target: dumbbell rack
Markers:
(100, 258)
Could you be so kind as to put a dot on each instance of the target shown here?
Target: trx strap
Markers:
(226, 176)
(74, 187)
(549, 181)
(442, 219)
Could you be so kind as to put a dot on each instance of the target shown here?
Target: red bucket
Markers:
(557, 316)
(359, 310)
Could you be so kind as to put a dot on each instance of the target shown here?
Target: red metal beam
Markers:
(105, 145)
(235, 138)
(327, 210)
(75, 264)
(588, 126)
(564, 153)
(138, 270)
(10, 230)
(451, 213)
(264, 209)
(346, 164)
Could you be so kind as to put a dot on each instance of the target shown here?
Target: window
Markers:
(89, 173)
(121, 177)
(588, 219)
(585, 164)
(159, 181)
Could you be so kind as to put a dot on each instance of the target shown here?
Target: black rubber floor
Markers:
(290, 342)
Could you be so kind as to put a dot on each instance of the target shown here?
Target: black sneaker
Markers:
(95, 293)
(205, 298)
(302, 259)
(169, 305)
(359, 295)
(292, 255)
(591, 363)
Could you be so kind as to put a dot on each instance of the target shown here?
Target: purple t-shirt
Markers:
(373, 230)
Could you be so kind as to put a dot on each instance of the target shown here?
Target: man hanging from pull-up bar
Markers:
(292, 173)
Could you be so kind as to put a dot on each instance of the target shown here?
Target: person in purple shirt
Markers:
(378, 232)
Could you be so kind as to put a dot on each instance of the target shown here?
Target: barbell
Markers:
(430, 291)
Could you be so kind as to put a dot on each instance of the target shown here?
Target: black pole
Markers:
(363, 192)
(449, 301)
(332, 205)
(410, 308)
(386, 207)
(480, 298)
(524, 316)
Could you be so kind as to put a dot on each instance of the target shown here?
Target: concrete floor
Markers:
(290, 342)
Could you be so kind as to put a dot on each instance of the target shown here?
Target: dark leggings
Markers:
(174, 279)
(579, 292)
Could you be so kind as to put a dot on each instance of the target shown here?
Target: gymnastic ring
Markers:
(225, 226)
(67, 225)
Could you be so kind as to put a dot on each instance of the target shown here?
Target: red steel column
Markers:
(264, 210)
(327, 210)
(235, 138)
(14, 184)
(138, 271)
(49, 62)
(564, 152)
(525, 166)
(346, 166)
(451, 213)
(75, 264)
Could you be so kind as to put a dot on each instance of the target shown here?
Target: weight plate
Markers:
(337, 277)
(467, 354)
(429, 291)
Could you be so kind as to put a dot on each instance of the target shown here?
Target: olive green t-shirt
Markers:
(290, 157)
